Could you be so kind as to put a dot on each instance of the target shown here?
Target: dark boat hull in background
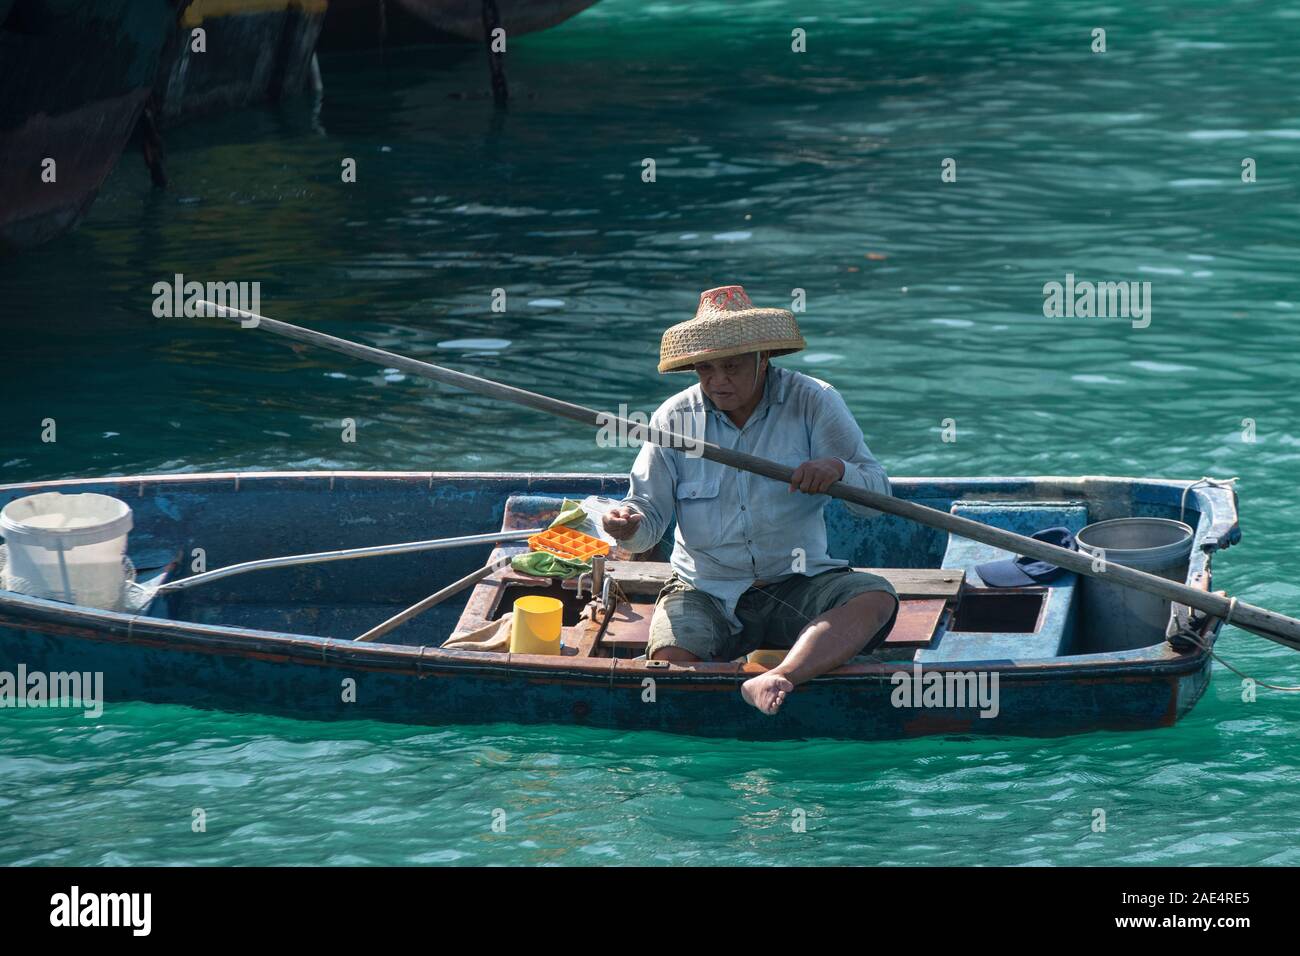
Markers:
(370, 24)
(74, 79)
(257, 51)
(464, 18)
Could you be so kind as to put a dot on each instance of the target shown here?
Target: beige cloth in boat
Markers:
(492, 636)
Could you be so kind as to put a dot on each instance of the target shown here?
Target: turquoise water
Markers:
(818, 171)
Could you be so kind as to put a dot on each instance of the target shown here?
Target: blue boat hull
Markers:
(291, 672)
(311, 683)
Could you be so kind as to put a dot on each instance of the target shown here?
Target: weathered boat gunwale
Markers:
(1218, 502)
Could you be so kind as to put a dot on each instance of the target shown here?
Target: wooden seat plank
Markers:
(917, 624)
(648, 577)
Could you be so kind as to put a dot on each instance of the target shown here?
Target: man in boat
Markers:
(750, 567)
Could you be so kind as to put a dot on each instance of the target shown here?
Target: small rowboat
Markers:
(282, 641)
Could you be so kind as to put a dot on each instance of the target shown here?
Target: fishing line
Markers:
(1205, 647)
(786, 603)
(1232, 603)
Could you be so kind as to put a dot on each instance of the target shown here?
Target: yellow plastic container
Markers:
(766, 657)
(535, 627)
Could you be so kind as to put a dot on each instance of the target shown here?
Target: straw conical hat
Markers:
(726, 324)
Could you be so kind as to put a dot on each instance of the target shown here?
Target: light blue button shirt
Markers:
(733, 527)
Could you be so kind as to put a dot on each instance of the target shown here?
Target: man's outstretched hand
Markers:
(621, 522)
(815, 476)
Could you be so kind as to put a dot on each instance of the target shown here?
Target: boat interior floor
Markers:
(928, 598)
(946, 613)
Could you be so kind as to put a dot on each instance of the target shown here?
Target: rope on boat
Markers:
(1189, 634)
(1217, 483)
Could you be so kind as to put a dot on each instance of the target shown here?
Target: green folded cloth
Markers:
(570, 513)
(543, 564)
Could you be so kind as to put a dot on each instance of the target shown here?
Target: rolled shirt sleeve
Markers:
(836, 434)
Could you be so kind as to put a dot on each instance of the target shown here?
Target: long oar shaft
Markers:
(1266, 623)
(320, 557)
(437, 597)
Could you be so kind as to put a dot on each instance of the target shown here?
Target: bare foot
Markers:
(766, 691)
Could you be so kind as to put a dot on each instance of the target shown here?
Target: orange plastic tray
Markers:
(568, 543)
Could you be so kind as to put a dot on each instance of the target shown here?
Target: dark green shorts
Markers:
(772, 616)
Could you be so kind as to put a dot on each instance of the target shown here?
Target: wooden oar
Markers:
(401, 617)
(1276, 627)
(321, 557)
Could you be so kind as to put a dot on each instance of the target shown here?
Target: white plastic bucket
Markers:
(66, 547)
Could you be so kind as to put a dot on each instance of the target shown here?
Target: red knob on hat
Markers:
(729, 297)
